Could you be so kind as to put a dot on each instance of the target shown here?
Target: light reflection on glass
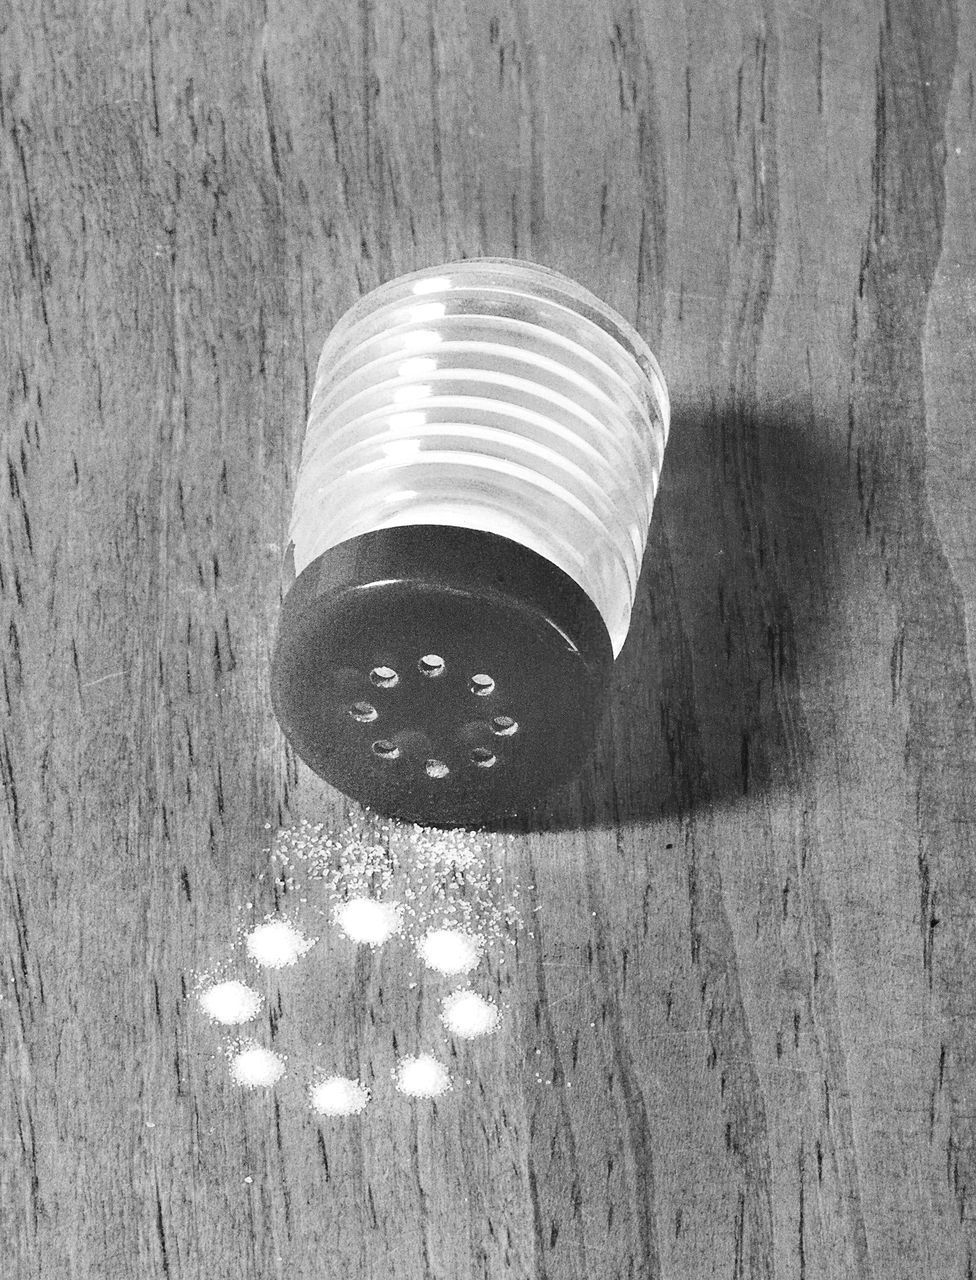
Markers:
(411, 394)
(402, 451)
(407, 421)
(421, 339)
(425, 311)
(417, 367)
(433, 284)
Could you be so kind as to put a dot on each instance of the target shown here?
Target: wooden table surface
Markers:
(739, 1017)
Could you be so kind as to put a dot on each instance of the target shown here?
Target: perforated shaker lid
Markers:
(440, 675)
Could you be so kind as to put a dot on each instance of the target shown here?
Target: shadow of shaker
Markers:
(736, 583)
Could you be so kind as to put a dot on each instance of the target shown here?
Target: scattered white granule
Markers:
(451, 950)
(255, 1065)
(231, 1002)
(339, 1096)
(469, 1015)
(366, 920)
(422, 1077)
(276, 944)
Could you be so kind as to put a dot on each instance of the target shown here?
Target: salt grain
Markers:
(468, 1015)
(276, 944)
(366, 920)
(422, 1077)
(339, 1096)
(451, 951)
(231, 1002)
(256, 1066)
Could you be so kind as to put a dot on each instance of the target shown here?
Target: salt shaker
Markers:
(480, 463)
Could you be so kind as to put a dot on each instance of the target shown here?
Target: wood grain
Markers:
(740, 1037)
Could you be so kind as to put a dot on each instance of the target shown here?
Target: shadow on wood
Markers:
(735, 600)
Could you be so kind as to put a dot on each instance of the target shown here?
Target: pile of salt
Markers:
(422, 1077)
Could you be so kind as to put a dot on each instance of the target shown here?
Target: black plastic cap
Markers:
(440, 675)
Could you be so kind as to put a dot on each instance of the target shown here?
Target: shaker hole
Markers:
(482, 685)
(384, 677)
(431, 664)
(436, 769)
(504, 726)
(385, 749)
(482, 757)
(363, 712)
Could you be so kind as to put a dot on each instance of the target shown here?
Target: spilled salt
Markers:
(451, 950)
(440, 879)
(231, 1002)
(255, 1065)
(366, 920)
(445, 893)
(338, 1096)
(422, 1077)
(276, 944)
(469, 1015)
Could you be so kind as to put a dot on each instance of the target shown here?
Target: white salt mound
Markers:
(256, 1065)
(231, 1002)
(339, 1096)
(366, 920)
(422, 1077)
(276, 944)
(451, 950)
(469, 1015)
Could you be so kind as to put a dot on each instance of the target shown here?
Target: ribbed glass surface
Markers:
(496, 395)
